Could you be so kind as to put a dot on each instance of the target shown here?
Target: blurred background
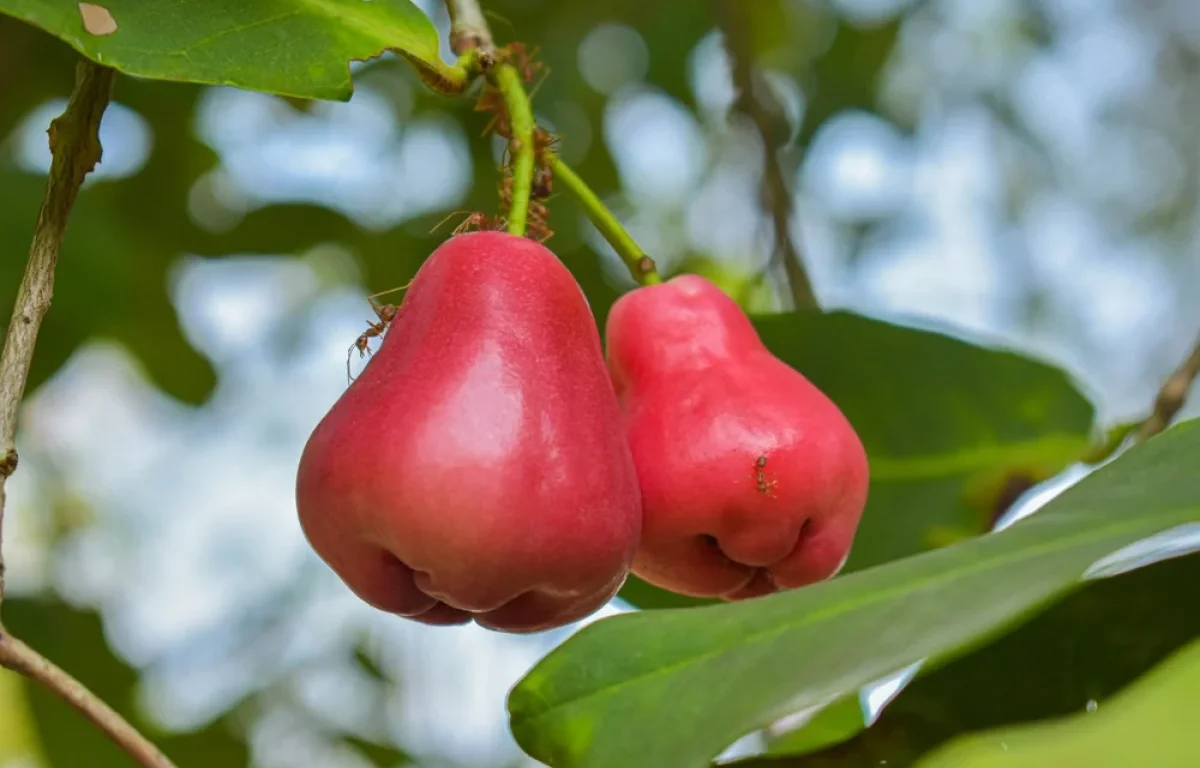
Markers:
(1021, 171)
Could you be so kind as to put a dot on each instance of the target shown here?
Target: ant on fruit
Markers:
(763, 484)
(386, 314)
(473, 222)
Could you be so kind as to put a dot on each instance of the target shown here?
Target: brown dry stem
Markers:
(75, 146)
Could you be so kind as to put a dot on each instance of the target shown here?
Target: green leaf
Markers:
(1084, 649)
(951, 428)
(947, 424)
(846, 75)
(111, 284)
(677, 687)
(292, 47)
(18, 740)
(1152, 723)
(833, 724)
(75, 641)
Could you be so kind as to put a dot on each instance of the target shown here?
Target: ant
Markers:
(386, 314)
(523, 59)
(537, 223)
(473, 221)
(544, 141)
(543, 183)
(763, 484)
(539, 230)
(491, 101)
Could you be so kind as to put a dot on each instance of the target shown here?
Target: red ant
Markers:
(543, 183)
(523, 59)
(760, 476)
(473, 221)
(491, 101)
(386, 314)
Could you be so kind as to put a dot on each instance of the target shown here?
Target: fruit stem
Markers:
(508, 81)
(469, 32)
(640, 265)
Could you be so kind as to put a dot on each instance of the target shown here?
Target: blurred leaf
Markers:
(947, 424)
(18, 740)
(1085, 648)
(951, 428)
(847, 75)
(75, 641)
(293, 47)
(379, 754)
(641, 594)
(112, 283)
(1152, 723)
(364, 661)
(677, 687)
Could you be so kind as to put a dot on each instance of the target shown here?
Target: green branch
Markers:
(469, 32)
(507, 80)
(640, 265)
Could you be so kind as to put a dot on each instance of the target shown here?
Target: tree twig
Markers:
(754, 100)
(75, 148)
(1171, 396)
(640, 265)
(22, 659)
(469, 31)
(75, 144)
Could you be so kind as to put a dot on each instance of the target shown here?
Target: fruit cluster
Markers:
(488, 465)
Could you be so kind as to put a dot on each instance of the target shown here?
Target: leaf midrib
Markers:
(852, 605)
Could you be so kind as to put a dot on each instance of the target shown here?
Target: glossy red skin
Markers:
(477, 469)
(704, 401)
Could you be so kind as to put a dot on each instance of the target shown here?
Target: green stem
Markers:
(640, 265)
(507, 80)
(453, 79)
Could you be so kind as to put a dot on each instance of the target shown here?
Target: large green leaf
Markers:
(1152, 723)
(676, 687)
(292, 47)
(124, 235)
(947, 424)
(949, 427)
(75, 641)
(1084, 649)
